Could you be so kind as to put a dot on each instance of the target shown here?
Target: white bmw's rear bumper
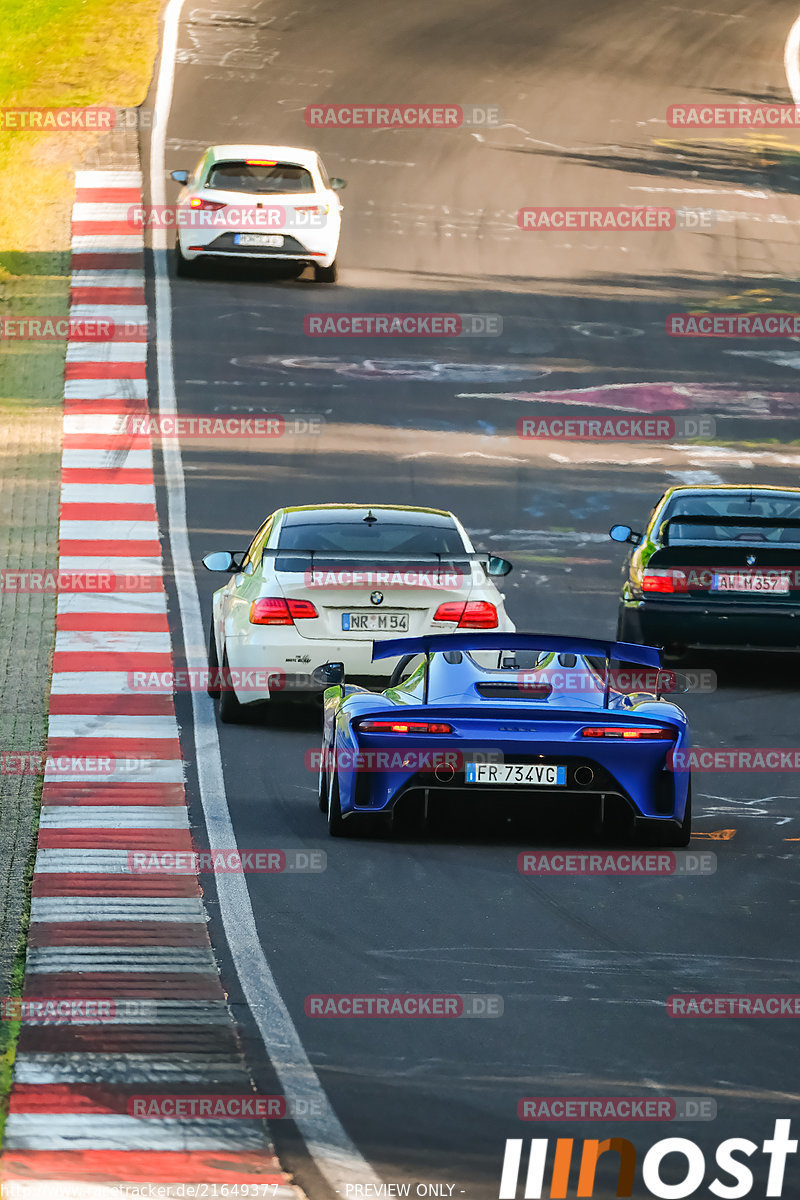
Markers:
(284, 665)
(281, 663)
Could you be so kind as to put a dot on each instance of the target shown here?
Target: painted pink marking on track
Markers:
(667, 397)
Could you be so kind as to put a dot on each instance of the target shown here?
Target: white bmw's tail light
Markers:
(469, 614)
(275, 610)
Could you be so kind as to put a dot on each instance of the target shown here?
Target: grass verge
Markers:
(62, 54)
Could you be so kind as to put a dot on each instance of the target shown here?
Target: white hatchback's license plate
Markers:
(521, 774)
(385, 622)
(274, 240)
(746, 581)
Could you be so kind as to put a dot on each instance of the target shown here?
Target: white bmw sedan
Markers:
(259, 202)
(319, 583)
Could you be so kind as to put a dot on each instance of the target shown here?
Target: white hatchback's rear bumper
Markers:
(300, 245)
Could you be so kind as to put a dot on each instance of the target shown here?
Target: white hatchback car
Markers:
(319, 583)
(259, 202)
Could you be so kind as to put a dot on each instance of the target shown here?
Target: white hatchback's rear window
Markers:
(261, 176)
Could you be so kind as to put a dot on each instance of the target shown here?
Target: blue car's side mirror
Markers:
(180, 176)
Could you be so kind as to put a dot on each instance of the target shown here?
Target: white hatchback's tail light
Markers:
(198, 202)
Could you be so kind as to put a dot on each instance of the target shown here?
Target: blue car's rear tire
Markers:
(322, 788)
(669, 835)
(337, 826)
(684, 833)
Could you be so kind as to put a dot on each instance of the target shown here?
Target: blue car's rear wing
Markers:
(645, 656)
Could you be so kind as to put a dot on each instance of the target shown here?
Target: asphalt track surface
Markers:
(584, 965)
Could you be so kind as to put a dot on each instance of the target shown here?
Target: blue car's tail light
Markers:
(622, 731)
(369, 726)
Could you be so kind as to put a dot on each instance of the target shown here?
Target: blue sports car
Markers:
(526, 720)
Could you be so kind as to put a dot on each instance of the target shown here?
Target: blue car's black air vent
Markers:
(515, 691)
